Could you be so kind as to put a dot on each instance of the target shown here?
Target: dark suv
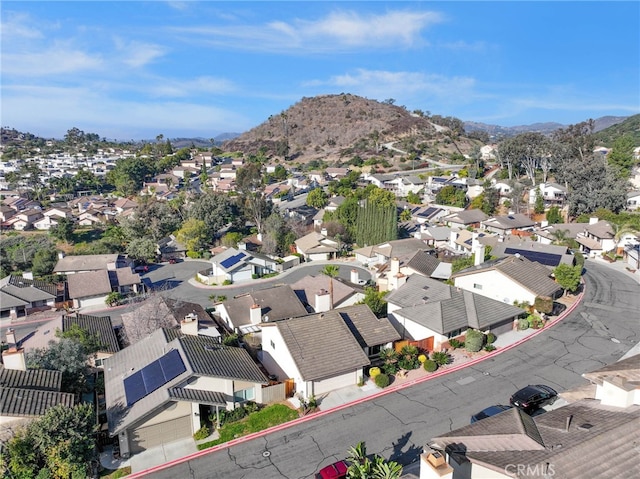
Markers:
(533, 397)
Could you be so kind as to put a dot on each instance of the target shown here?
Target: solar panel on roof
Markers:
(541, 257)
(231, 261)
(153, 376)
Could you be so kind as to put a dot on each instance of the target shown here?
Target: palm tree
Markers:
(560, 236)
(331, 270)
(364, 468)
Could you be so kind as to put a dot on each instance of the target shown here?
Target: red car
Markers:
(337, 470)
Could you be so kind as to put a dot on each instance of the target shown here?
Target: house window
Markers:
(273, 345)
(454, 333)
(244, 395)
(98, 363)
(477, 286)
(375, 350)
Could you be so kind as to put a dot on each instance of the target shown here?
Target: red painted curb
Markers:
(358, 401)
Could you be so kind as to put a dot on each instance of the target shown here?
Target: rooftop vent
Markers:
(585, 427)
(436, 459)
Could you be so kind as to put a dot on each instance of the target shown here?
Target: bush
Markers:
(489, 347)
(422, 358)
(522, 324)
(408, 358)
(202, 433)
(430, 365)
(544, 305)
(456, 343)
(474, 340)
(227, 282)
(382, 380)
(373, 372)
(491, 338)
(194, 254)
(535, 322)
(440, 358)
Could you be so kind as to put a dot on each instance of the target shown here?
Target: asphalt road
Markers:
(604, 327)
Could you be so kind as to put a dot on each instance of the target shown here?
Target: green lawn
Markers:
(258, 421)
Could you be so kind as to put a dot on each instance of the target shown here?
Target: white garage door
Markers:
(158, 434)
(336, 382)
(92, 301)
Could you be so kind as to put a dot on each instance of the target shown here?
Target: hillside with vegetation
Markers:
(629, 127)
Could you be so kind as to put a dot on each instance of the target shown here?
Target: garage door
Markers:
(158, 434)
(92, 301)
(331, 384)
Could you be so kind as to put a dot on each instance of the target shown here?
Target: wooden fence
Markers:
(423, 344)
(278, 392)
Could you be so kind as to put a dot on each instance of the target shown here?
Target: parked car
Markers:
(533, 397)
(337, 470)
(488, 412)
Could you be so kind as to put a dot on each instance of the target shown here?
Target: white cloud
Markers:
(18, 25)
(60, 58)
(338, 31)
(138, 54)
(185, 88)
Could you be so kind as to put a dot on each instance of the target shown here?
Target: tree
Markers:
(43, 262)
(414, 198)
(216, 210)
(317, 198)
(568, 276)
(621, 155)
(67, 356)
(452, 196)
(363, 467)
(231, 239)
(63, 231)
(129, 174)
(554, 216)
(90, 342)
(375, 300)
(60, 444)
(143, 249)
(193, 234)
(538, 206)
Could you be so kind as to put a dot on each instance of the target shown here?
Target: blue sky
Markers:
(134, 70)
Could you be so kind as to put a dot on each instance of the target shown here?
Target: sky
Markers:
(133, 70)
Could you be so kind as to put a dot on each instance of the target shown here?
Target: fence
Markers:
(423, 344)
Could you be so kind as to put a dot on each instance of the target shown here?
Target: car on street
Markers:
(488, 412)
(337, 470)
(533, 397)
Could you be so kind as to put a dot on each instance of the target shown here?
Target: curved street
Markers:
(396, 425)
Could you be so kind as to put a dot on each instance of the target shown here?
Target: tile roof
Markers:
(628, 369)
(22, 282)
(91, 283)
(278, 302)
(601, 229)
(100, 326)
(44, 379)
(90, 262)
(321, 345)
(423, 263)
(530, 275)
(443, 308)
(308, 286)
(18, 402)
(601, 441)
(213, 398)
(509, 221)
(366, 327)
(466, 217)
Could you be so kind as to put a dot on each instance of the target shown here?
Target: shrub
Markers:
(373, 372)
(474, 340)
(544, 305)
(456, 343)
(430, 365)
(535, 322)
(440, 358)
(194, 254)
(408, 358)
(522, 324)
(227, 282)
(382, 380)
(202, 433)
(422, 358)
(489, 347)
(390, 368)
(491, 338)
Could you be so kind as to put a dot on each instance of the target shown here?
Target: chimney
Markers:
(453, 236)
(433, 465)
(323, 231)
(544, 224)
(568, 422)
(479, 256)
(396, 281)
(60, 254)
(475, 244)
(189, 325)
(323, 301)
(355, 277)
(593, 221)
(259, 236)
(13, 358)
(395, 266)
(255, 314)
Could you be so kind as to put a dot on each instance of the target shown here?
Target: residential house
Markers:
(598, 237)
(230, 265)
(319, 352)
(464, 219)
(170, 248)
(553, 194)
(594, 436)
(428, 214)
(6, 212)
(502, 187)
(26, 394)
(159, 389)
(317, 247)
(334, 202)
(435, 236)
(510, 279)
(424, 309)
(427, 264)
(633, 201)
(303, 215)
(337, 173)
(46, 223)
(91, 218)
(91, 262)
(382, 253)
(20, 296)
(99, 327)
(25, 219)
(92, 288)
(547, 255)
(467, 242)
(247, 312)
(322, 293)
(401, 186)
(548, 234)
(504, 225)
(159, 312)
(123, 204)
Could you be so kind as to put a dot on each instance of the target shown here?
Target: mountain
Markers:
(496, 132)
(630, 126)
(343, 127)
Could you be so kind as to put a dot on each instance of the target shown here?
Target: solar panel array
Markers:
(546, 259)
(232, 260)
(153, 376)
